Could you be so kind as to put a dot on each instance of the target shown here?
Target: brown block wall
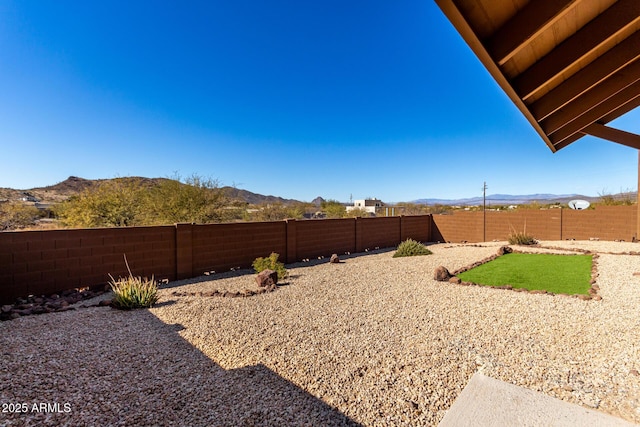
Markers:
(604, 222)
(40, 262)
(541, 224)
(220, 247)
(416, 228)
(324, 237)
(457, 227)
(379, 232)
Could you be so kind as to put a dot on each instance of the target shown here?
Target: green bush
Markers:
(17, 215)
(411, 248)
(333, 208)
(126, 202)
(133, 292)
(270, 263)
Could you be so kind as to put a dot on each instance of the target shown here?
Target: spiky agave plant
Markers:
(521, 237)
(133, 292)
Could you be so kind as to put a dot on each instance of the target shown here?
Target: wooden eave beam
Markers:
(598, 31)
(591, 99)
(620, 111)
(597, 113)
(456, 18)
(614, 135)
(530, 21)
(615, 59)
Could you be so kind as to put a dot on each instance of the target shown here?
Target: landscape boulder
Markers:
(441, 274)
(267, 278)
(335, 259)
(504, 250)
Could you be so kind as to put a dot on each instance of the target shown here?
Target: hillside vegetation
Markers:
(137, 201)
(124, 202)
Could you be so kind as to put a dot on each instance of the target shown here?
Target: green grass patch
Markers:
(559, 274)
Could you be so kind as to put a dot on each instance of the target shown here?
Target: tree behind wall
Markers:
(333, 208)
(17, 215)
(124, 202)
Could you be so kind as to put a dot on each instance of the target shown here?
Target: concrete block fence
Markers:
(604, 223)
(43, 262)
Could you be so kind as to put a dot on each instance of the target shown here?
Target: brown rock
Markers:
(104, 303)
(267, 278)
(455, 280)
(335, 259)
(634, 372)
(504, 250)
(38, 309)
(441, 274)
(584, 297)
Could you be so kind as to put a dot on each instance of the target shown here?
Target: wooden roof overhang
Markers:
(570, 66)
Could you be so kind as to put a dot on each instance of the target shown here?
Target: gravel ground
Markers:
(370, 341)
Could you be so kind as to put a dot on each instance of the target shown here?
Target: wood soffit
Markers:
(570, 66)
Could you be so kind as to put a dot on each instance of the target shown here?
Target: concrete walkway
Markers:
(489, 402)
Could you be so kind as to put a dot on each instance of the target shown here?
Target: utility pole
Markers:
(484, 212)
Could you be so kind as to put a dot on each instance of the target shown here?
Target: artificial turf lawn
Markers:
(559, 274)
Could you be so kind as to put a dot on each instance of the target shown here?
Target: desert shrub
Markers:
(133, 292)
(112, 203)
(622, 198)
(333, 208)
(276, 212)
(270, 263)
(17, 215)
(411, 248)
(521, 238)
(357, 213)
(193, 199)
(125, 202)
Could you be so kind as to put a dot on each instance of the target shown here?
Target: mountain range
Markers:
(507, 199)
(74, 185)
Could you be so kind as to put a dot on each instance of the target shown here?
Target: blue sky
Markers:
(292, 98)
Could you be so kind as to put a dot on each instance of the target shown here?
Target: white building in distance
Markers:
(370, 205)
